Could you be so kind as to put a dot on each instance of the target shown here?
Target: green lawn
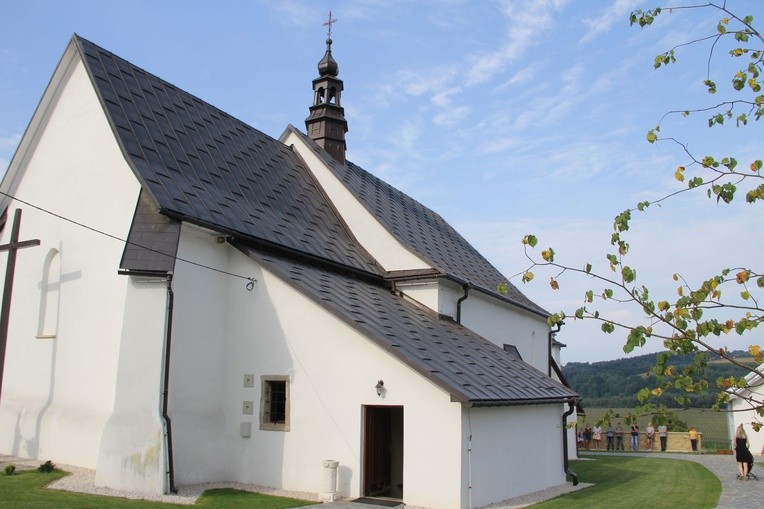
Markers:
(628, 482)
(620, 482)
(26, 490)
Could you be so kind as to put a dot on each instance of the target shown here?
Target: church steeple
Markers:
(326, 123)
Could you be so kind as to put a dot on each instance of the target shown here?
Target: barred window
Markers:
(274, 403)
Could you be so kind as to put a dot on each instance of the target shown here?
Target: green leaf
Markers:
(628, 274)
(651, 136)
(530, 240)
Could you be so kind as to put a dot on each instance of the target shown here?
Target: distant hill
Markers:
(616, 383)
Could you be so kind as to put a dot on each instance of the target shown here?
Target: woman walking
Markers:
(742, 455)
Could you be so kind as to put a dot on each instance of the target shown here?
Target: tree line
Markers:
(616, 383)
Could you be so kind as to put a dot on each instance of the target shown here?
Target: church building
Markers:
(189, 300)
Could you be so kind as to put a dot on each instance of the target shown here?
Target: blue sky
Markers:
(507, 118)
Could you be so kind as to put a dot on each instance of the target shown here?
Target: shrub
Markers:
(47, 467)
(9, 469)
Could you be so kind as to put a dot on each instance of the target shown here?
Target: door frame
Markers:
(395, 445)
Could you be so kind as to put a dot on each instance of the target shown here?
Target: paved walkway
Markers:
(736, 494)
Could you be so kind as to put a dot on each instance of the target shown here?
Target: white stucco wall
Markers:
(501, 323)
(493, 319)
(59, 391)
(428, 293)
(742, 413)
(515, 450)
(199, 355)
(132, 452)
(374, 237)
(274, 330)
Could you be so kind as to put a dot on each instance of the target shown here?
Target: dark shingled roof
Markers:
(153, 239)
(422, 230)
(201, 165)
(468, 366)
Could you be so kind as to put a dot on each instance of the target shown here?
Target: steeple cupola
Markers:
(326, 124)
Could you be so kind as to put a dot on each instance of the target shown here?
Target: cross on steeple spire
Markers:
(329, 24)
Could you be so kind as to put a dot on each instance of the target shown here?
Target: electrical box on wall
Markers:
(246, 429)
(247, 408)
(249, 380)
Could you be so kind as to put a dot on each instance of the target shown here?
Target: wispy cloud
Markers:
(522, 76)
(451, 117)
(604, 20)
(295, 12)
(526, 22)
(9, 141)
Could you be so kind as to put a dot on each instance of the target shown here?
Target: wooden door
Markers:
(377, 451)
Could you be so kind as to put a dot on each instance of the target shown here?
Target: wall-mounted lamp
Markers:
(380, 387)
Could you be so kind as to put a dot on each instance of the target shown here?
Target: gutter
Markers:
(166, 385)
(565, 466)
(519, 402)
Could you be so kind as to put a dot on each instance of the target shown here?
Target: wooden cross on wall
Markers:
(5, 309)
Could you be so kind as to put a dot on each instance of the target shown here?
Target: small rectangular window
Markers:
(274, 403)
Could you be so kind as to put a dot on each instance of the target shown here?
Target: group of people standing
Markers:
(591, 438)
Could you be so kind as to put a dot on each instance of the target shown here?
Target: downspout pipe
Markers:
(466, 289)
(550, 339)
(166, 384)
(565, 466)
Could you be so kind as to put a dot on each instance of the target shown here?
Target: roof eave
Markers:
(522, 402)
